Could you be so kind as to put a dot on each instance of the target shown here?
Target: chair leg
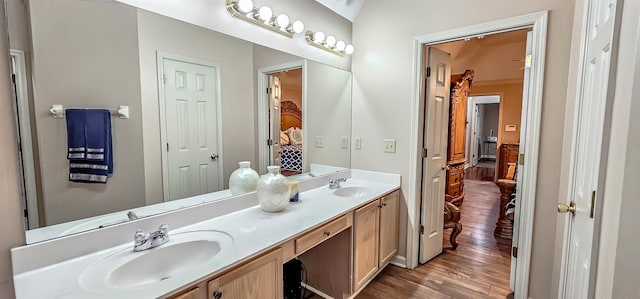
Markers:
(457, 229)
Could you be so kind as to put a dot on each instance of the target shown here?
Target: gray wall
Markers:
(101, 74)
(490, 119)
(160, 33)
(382, 98)
(11, 223)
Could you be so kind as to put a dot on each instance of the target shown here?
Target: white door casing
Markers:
(28, 173)
(585, 176)
(275, 93)
(190, 117)
(435, 141)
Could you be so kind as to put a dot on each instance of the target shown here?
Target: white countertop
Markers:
(253, 231)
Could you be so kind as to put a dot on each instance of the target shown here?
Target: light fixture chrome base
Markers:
(308, 36)
(234, 12)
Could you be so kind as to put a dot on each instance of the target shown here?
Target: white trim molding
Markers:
(26, 139)
(530, 134)
(160, 57)
(263, 117)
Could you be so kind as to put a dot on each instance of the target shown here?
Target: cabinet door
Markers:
(389, 227)
(365, 243)
(194, 293)
(258, 279)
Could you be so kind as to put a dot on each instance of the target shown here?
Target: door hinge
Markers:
(164, 78)
(424, 153)
(13, 78)
(167, 146)
(269, 90)
(26, 213)
(422, 229)
(428, 72)
(593, 204)
(514, 251)
(521, 159)
(269, 141)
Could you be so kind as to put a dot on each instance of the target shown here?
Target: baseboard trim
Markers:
(399, 261)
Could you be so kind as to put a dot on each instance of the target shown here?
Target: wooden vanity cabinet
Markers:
(375, 237)
(258, 279)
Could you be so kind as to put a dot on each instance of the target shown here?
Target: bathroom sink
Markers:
(352, 192)
(183, 254)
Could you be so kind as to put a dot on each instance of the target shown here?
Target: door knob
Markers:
(445, 167)
(214, 157)
(571, 208)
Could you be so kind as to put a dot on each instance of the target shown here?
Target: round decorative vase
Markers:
(243, 179)
(273, 190)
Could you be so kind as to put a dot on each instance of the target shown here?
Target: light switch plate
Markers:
(357, 142)
(389, 145)
(344, 142)
(319, 141)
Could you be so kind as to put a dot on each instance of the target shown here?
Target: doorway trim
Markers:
(26, 141)
(480, 100)
(263, 117)
(160, 57)
(530, 137)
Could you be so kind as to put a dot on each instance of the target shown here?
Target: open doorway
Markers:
(483, 117)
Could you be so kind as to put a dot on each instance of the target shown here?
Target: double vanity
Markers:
(228, 248)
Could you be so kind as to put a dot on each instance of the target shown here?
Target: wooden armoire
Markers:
(456, 159)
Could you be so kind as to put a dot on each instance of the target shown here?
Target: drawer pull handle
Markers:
(327, 233)
(217, 294)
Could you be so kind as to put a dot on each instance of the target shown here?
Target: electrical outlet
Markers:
(357, 142)
(319, 141)
(389, 146)
(344, 142)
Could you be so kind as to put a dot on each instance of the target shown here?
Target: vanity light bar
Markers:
(263, 17)
(328, 43)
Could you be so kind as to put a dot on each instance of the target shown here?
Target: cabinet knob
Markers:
(327, 233)
(217, 294)
(384, 204)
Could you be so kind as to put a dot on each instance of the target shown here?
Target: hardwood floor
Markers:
(479, 268)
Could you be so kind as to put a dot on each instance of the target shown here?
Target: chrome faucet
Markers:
(132, 215)
(335, 183)
(147, 241)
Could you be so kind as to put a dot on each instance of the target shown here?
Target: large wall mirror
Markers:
(196, 107)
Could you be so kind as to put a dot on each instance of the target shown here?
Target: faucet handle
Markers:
(164, 229)
(139, 237)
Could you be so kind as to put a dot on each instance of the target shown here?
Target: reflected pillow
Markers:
(295, 136)
(284, 138)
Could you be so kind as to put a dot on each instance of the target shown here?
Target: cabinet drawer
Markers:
(322, 233)
(455, 189)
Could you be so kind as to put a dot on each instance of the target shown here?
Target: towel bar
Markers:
(58, 111)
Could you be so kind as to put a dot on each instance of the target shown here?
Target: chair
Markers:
(452, 220)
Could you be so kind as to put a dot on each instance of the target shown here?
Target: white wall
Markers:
(213, 14)
(382, 97)
(103, 73)
(235, 57)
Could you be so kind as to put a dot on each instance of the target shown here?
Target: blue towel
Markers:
(75, 134)
(97, 163)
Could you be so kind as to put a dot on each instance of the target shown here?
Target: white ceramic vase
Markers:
(243, 179)
(273, 191)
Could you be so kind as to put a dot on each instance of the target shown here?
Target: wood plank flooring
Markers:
(479, 268)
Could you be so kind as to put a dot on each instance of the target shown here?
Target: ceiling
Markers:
(346, 8)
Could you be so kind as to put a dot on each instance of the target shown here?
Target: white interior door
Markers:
(594, 83)
(435, 141)
(191, 129)
(275, 93)
(475, 135)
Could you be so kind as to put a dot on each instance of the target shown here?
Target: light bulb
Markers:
(318, 37)
(340, 46)
(245, 6)
(349, 49)
(282, 20)
(331, 41)
(265, 13)
(297, 26)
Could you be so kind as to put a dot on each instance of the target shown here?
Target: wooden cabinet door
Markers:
(389, 227)
(365, 243)
(194, 293)
(258, 279)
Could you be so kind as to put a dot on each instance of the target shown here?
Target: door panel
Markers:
(594, 84)
(365, 243)
(389, 227)
(274, 120)
(435, 140)
(191, 128)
